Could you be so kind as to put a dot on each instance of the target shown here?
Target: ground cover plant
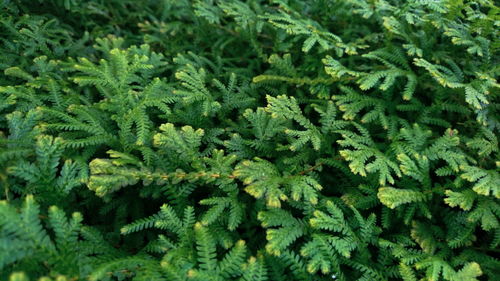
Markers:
(249, 140)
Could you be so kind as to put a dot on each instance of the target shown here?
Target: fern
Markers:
(27, 244)
(249, 140)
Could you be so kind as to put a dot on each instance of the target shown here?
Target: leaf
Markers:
(394, 197)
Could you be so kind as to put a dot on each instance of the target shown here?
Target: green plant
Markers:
(249, 140)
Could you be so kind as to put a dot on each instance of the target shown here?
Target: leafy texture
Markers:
(249, 140)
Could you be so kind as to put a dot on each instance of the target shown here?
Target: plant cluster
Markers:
(249, 140)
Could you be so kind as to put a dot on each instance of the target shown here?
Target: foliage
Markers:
(249, 140)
